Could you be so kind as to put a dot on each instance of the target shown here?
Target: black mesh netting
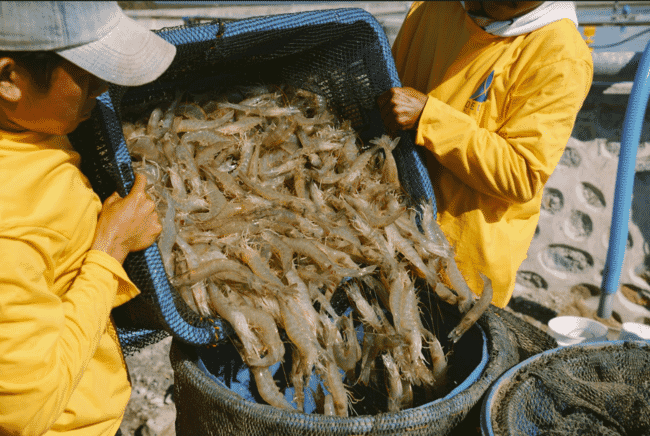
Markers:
(587, 389)
(528, 339)
(207, 407)
(341, 54)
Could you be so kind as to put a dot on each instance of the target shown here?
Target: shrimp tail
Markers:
(475, 312)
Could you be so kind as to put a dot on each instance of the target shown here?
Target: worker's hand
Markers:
(401, 108)
(127, 224)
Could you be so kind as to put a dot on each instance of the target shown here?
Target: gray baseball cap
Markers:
(96, 36)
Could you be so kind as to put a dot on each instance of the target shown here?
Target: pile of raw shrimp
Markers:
(270, 205)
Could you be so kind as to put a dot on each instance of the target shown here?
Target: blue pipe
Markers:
(632, 124)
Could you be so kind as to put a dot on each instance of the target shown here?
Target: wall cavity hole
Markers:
(578, 225)
(564, 258)
(570, 158)
(592, 195)
(636, 295)
(552, 200)
(585, 290)
(531, 280)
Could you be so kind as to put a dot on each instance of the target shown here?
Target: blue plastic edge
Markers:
(152, 254)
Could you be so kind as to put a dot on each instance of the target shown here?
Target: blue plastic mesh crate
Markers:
(342, 54)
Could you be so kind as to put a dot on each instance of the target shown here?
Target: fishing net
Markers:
(528, 339)
(340, 54)
(213, 395)
(586, 389)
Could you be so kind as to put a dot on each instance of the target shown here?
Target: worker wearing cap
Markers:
(492, 91)
(61, 250)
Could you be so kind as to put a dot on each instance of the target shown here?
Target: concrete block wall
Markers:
(572, 238)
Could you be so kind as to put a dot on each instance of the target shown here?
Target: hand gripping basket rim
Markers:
(412, 171)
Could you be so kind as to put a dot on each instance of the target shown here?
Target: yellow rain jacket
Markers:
(61, 366)
(499, 114)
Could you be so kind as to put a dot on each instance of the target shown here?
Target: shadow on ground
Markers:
(530, 308)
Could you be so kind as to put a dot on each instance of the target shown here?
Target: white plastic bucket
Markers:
(634, 331)
(570, 330)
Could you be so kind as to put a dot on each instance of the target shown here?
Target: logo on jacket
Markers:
(480, 95)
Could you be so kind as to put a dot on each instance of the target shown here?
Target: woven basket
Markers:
(584, 389)
(210, 404)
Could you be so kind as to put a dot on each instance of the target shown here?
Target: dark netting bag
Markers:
(586, 389)
(341, 54)
(528, 339)
(213, 397)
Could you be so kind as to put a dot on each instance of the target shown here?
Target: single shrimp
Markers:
(385, 250)
(254, 165)
(334, 383)
(298, 380)
(192, 125)
(168, 118)
(262, 111)
(303, 337)
(409, 253)
(394, 383)
(189, 255)
(475, 312)
(364, 309)
(280, 134)
(285, 168)
(465, 295)
(438, 361)
(372, 217)
(144, 147)
(446, 294)
(200, 295)
(169, 143)
(240, 126)
(390, 175)
(247, 146)
(206, 138)
(227, 182)
(350, 151)
(268, 389)
(294, 203)
(410, 231)
(266, 328)
(190, 110)
(347, 351)
(168, 236)
(227, 310)
(318, 197)
(216, 202)
(153, 125)
(252, 258)
(431, 227)
(300, 181)
(351, 177)
(208, 269)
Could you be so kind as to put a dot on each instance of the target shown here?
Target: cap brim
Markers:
(129, 55)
